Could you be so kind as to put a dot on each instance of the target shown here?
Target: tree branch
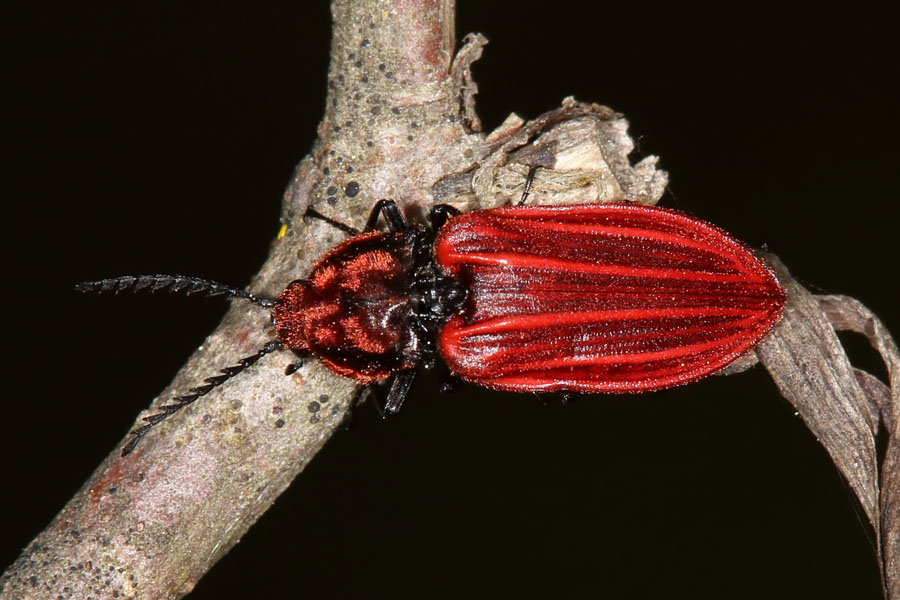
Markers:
(399, 123)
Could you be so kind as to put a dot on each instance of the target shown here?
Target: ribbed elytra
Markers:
(599, 298)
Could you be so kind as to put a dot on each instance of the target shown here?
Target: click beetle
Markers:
(615, 298)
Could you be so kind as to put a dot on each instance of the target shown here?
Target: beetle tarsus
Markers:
(295, 366)
(349, 419)
(359, 394)
(447, 381)
(392, 216)
(398, 392)
(566, 398)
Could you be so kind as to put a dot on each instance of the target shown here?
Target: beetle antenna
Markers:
(210, 383)
(170, 283)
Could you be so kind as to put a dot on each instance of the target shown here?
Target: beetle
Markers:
(617, 298)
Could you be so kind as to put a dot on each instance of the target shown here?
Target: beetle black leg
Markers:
(447, 381)
(399, 389)
(355, 399)
(564, 398)
(392, 216)
(294, 366)
(376, 395)
(543, 399)
(387, 208)
(567, 398)
(313, 213)
(529, 180)
(440, 213)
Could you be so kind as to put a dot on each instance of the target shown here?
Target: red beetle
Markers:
(587, 298)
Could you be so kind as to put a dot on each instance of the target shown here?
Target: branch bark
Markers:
(399, 123)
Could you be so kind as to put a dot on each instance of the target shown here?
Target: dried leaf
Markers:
(843, 406)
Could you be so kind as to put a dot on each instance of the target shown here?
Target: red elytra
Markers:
(599, 298)
(584, 298)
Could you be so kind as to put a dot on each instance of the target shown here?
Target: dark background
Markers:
(159, 137)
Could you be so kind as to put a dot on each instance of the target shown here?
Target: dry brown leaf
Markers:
(844, 407)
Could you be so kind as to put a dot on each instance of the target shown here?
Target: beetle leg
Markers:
(564, 398)
(542, 398)
(295, 366)
(376, 393)
(567, 398)
(440, 213)
(355, 399)
(447, 381)
(376, 396)
(529, 180)
(388, 208)
(399, 389)
(392, 216)
(311, 212)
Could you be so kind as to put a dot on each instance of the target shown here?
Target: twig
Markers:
(399, 123)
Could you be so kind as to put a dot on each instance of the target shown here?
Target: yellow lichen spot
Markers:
(282, 232)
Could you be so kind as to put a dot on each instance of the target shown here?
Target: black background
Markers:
(159, 137)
